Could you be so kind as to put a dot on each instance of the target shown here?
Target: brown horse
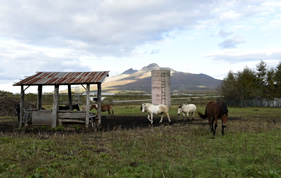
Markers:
(215, 110)
(104, 107)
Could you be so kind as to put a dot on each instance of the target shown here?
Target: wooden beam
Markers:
(21, 106)
(39, 97)
(99, 104)
(84, 87)
(55, 106)
(69, 98)
(87, 106)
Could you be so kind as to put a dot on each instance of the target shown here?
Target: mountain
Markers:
(130, 71)
(140, 81)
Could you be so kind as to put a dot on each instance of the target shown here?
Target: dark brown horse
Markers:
(74, 106)
(215, 110)
(104, 107)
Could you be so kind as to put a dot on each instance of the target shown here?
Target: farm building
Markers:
(54, 116)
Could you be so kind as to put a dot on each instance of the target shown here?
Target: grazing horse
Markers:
(215, 110)
(187, 109)
(155, 109)
(104, 107)
(74, 106)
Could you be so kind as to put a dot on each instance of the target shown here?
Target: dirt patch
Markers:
(10, 124)
(108, 124)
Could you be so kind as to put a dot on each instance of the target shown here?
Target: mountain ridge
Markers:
(140, 81)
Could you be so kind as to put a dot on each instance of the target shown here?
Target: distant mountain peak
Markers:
(130, 71)
(152, 66)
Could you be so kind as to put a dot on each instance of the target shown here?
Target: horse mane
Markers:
(224, 109)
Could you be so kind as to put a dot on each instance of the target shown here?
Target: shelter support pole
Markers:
(21, 106)
(69, 98)
(87, 106)
(55, 106)
(39, 97)
(99, 104)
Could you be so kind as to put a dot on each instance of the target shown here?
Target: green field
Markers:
(251, 147)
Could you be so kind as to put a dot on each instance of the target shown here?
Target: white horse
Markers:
(187, 109)
(155, 109)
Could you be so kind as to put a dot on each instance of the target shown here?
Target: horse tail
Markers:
(203, 116)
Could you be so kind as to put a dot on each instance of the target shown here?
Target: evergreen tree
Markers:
(261, 79)
(270, 90)
(229, 86)
(246, 84)
(277, 79)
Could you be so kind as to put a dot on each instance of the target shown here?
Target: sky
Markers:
(203, 36)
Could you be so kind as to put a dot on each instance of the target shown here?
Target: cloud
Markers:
(115, 27)
(18, 58)
(224, 33)
(236, 56)
(231, 43)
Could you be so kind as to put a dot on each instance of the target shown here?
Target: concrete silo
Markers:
(161, 87)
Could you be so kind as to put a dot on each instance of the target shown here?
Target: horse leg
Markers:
(168, 117)
(187, 116)
(148, 117)
(151, 118)
(112, 111)
(222, 129)
(210, 123)
(193, 115)
(162, 115)
(108, 113)
(183, 115)
(216, 124)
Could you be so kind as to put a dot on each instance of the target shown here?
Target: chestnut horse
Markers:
(104, 107)
(215, 110)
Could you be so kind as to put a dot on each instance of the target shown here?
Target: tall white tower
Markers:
(161, 87)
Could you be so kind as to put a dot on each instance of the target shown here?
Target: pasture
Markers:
(127, 145)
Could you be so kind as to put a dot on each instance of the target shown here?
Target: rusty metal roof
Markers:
(64, 78)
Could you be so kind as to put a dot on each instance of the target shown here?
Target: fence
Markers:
(276, 102)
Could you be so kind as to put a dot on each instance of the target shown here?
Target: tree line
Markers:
(263, 83)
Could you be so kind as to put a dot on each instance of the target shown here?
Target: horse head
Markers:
(76, 106)
(94, 106)
(180, 109)
(143, 107)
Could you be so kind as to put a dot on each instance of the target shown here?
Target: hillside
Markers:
(140, 81)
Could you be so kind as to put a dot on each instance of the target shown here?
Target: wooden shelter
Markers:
(56, 79)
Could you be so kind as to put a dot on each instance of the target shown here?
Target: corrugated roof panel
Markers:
(64, 78)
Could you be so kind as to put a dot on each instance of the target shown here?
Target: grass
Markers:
(251, 147)
(8, 118)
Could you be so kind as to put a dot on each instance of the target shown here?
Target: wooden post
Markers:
(69, 98)
(39, 97)
(99, 104)
(87, 106)
(21, 106)
(55, 106)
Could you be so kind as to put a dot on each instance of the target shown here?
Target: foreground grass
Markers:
(166, 151)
